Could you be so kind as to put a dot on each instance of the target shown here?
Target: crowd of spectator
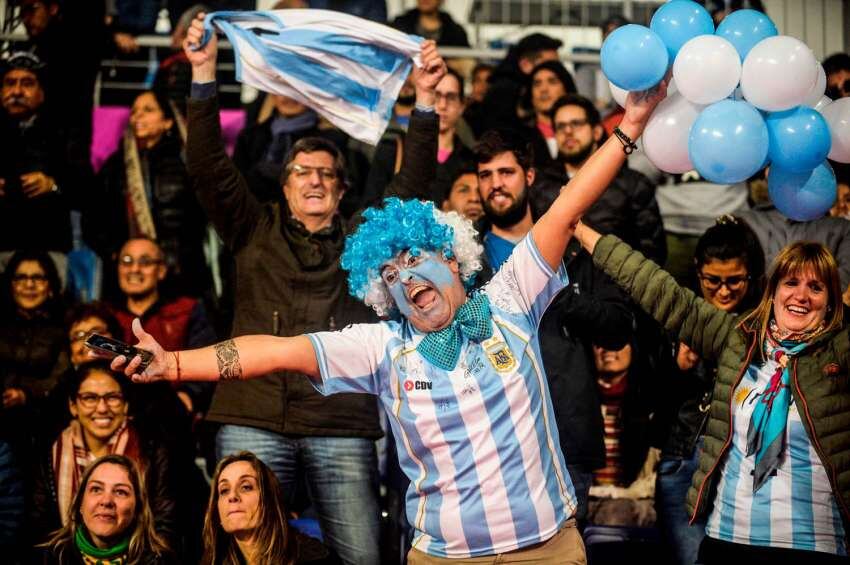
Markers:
(95, 468)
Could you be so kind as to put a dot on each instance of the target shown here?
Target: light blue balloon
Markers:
(678, 22)
(728, 142)
(633, 57)
(802, 196)
(745, 28)
(799, 139)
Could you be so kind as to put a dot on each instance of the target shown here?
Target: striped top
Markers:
(479, 443)
(795, 508)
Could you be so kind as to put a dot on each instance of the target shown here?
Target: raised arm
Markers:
(240, 358)
(220, 187)
(697, 323)
(553, 230)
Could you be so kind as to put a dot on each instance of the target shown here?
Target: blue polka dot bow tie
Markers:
(473, 320)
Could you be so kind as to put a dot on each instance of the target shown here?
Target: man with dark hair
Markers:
(461, 195)
(509, 81)
(837, 69)
(288, 281)
(591, 310)
(41, 165)
(628, 208)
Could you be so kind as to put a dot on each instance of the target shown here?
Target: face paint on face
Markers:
(425, 287)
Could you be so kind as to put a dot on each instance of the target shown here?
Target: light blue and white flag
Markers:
(348, 69)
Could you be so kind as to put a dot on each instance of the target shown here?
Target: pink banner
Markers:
(109, 123)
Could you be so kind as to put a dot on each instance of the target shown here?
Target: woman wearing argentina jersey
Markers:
(459, 374)
(774, 474)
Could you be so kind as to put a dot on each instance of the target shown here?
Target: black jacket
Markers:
(627, 208)
(450, 33)
(72, 557)
(178, 218)
(42, 222)
(289, 282)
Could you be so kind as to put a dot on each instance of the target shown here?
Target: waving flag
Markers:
(348, 69)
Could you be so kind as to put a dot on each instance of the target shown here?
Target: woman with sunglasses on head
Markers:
(773, 480)
(101, 425)
(110, 521)
(728, 274)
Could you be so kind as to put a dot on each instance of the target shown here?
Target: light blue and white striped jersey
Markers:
(795, 508)
(348, 69)
(479, 443)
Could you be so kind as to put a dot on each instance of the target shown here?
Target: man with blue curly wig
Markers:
(458, 373)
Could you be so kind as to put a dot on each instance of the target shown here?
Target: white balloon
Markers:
(778, 73)
(665, 137)
(822, 103)
(707, 69)
(619, 94)
(837, 116)
(818, 88)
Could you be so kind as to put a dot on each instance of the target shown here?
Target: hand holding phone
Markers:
(111, 348)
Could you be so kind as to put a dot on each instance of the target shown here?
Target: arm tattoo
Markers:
(228, 360)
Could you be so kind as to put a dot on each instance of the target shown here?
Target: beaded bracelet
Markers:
(628, 145)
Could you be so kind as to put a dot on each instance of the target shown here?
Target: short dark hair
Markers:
(460, 82)
(559, 70)
(313, 144)
(480, 67)
(53, 306)
(617, 20)
(531, 45)
(836, 62)
(76, 378)
(497, 141)
(466, 167)
(590, 111)
(84, 310)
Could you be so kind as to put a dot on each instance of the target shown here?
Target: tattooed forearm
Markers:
(228, 360)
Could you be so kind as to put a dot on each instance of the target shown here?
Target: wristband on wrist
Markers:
(628, 145)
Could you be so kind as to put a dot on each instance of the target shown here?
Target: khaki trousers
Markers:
(564, 548)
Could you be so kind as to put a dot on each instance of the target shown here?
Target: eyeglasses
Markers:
(571, 125)
(89, 400)
(711, 282)
(82, 335)
(449, 97)
(304, 171)
(839, 91)
(143, 261)
(23, 279)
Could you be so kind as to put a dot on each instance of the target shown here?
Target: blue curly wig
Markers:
(398, 226)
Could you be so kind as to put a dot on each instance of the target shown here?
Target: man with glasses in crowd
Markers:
(627, 208)
(289, 281)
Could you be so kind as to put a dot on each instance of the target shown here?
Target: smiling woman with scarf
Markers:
(774, 474)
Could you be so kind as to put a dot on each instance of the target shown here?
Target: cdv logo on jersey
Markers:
(417, 385)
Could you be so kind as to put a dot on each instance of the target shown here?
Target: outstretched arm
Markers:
(553, 230)
(240, 358)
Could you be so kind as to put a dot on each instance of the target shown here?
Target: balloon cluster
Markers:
(741, 98)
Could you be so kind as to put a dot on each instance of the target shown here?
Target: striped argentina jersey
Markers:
(793, 509)
(479, 443)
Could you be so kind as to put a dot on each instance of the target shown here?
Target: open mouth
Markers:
(499, 197)
(422, 296)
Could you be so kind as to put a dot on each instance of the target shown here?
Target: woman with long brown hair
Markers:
(774, 473)
(246, 522)
(110, 520)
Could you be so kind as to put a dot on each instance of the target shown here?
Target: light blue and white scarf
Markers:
(348, 69)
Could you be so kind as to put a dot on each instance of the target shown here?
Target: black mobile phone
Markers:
(113, 348)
